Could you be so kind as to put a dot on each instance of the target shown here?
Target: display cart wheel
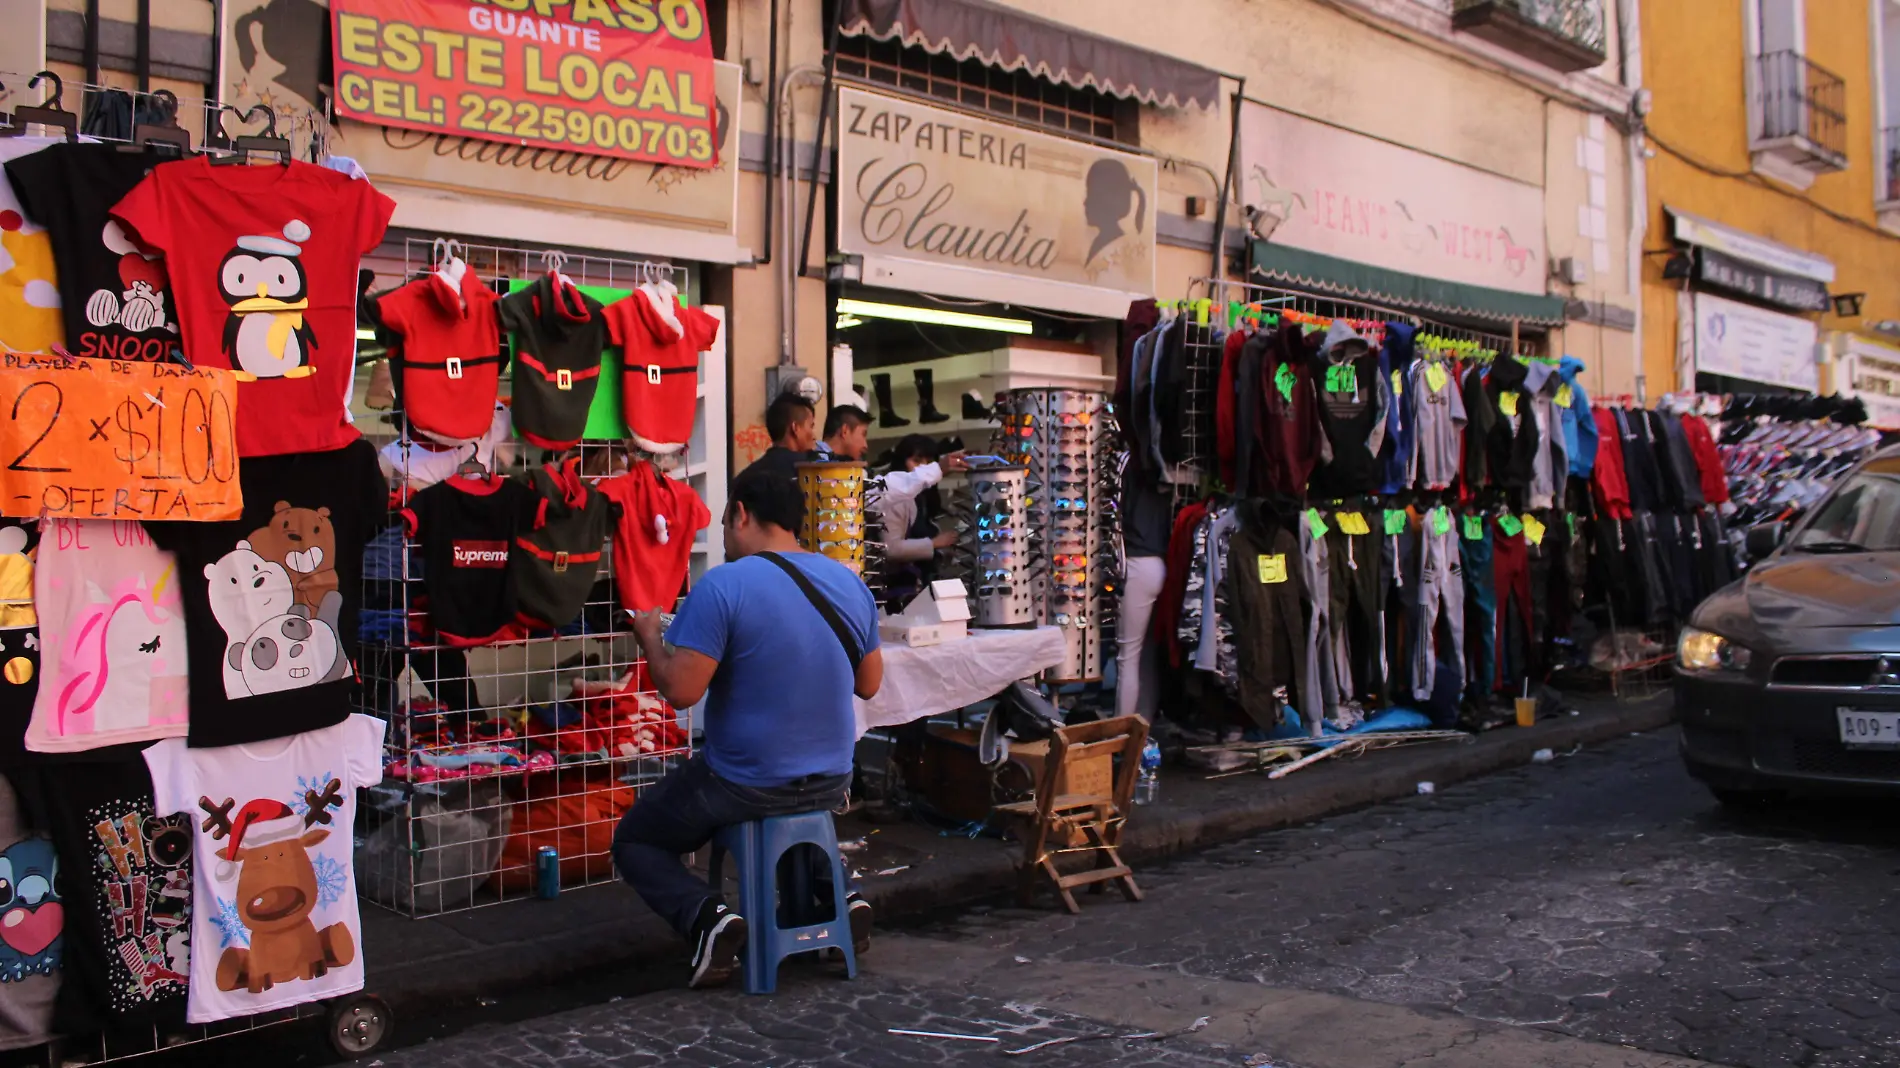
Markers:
(359, 1024)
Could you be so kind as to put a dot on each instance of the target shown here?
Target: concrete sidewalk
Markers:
(451, 962)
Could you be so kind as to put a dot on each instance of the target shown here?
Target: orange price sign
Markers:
(110, 439)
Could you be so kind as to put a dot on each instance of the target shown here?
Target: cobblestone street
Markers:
(1600, 910)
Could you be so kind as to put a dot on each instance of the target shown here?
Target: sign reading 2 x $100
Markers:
(626, 78)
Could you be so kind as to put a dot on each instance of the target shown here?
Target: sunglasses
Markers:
(1071, 504)
(840, 488)
(840, 528)
(1065, 619)
(1005, 588)
(848, 507)
(995, 535)
(1069, 560)
(843, 543)
(986, 491)
(1075, 418)
(997, 558)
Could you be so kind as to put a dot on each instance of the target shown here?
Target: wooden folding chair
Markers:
(1081, 801)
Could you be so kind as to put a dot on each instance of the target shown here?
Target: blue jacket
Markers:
(1396, 453)
(1580, 427)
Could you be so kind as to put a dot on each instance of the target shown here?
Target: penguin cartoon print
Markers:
(263, 281)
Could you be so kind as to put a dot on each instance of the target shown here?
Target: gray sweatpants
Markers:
(1319, 694)
(1440, 589)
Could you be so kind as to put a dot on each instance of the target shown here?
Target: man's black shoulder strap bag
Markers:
(824, 607)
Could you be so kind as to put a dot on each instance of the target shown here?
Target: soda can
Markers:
(547, 872)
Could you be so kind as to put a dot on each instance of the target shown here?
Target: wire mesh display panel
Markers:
(501, 751)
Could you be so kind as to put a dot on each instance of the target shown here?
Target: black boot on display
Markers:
(927, 412)
(974, 410)
(886, 411)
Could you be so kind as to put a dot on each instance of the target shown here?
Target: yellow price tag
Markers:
(1435, 377)
(1398, 383)
(1507, 402)
(1533, 530)
(1353, 523)
(1565, 396)
(1272, 568)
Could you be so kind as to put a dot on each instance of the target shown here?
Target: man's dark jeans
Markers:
(683, 811)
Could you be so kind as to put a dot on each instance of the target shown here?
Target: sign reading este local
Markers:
(631, 79)
(112, 439)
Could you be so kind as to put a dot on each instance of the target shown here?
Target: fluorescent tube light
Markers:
(936, 316)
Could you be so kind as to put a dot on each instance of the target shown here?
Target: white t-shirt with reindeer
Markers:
(274, 920)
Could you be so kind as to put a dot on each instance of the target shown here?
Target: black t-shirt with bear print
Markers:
(271, 599)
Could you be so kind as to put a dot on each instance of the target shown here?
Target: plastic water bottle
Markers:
(1148, 785)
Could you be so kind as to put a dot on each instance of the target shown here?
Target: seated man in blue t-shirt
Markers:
(780, 727)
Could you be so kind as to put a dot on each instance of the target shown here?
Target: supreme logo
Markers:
(481, 553)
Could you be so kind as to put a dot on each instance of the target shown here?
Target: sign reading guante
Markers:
(631, 79)
(924, 184)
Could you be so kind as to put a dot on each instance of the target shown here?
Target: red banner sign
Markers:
(625, 78)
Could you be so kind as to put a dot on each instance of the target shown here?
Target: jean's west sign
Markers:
(942, 202)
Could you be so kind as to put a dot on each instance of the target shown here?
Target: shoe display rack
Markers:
(1056, 435)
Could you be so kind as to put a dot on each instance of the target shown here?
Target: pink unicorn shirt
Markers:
(112, 638)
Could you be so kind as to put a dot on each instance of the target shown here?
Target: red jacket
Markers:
(1708, 462)
(1609, 482)
(1180, 557)
(1288, 436)
(1224, 444)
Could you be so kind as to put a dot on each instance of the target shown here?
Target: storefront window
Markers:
(1016, 95)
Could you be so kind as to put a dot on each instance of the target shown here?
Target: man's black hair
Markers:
(789, 408)
(842, 416)
(769, 497)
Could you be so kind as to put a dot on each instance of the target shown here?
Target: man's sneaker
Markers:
(859, 911)
(721, 935)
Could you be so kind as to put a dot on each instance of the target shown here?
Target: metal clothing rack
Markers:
(437, 838)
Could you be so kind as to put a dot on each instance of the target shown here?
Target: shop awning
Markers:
(1409, 292)
(1008, 39)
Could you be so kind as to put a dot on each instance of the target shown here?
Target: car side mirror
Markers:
(1763, 539)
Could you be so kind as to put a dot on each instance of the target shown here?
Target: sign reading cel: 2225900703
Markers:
(625, 78)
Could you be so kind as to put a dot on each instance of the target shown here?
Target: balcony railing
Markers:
(1799, 100)
(1563, 34)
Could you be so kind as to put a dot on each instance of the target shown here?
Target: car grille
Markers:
(1844, 671)
(1816, 757)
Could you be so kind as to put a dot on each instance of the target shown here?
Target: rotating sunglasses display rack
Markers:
(834, 511)
(998, 546)
(1053, 432)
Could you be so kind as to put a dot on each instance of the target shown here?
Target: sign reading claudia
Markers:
(1338, 193)
(1032, 218)
(631, 79)
(1743, 341)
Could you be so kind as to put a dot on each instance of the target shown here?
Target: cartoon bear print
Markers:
(303, 540)
(245, 591)
(293, 650)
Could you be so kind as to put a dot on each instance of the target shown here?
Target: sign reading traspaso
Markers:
(625, 78)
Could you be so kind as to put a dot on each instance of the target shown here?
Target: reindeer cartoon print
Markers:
(267, 848)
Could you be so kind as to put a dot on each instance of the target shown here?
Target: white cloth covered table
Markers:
(943, 678)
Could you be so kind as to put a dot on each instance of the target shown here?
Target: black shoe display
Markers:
(719, 936)
(975, 411)
(927, 412)
(886, 411)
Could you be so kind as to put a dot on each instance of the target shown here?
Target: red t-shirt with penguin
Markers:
(263, 264)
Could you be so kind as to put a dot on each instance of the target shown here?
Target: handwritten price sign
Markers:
(108, 439)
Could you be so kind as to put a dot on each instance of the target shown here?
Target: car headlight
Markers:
(1701, 650)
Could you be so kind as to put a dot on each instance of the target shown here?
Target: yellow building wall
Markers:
(1695, 61)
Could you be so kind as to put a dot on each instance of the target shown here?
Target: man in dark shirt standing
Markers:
(780, 727)
(792, 422)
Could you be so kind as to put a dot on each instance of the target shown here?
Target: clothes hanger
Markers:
(472, 468)
(554, 260)
(245, 144)
(47, 113)
(167, 131)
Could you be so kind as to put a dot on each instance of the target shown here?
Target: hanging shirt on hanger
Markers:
(1395, 452)
(659, 518)
(557, 554)
(1346, 375)
(19, 638)
(447, 362)
(467, 528)
(30, 319)
(660, 340)
(1291, 444)
(415, 463)
(1438, 413)
(271, 598)
(116, 296)
(559, 334)
(274, 920)
(262, 261)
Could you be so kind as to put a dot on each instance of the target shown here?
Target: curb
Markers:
(601, 940)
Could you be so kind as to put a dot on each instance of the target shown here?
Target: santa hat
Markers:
(261, 821)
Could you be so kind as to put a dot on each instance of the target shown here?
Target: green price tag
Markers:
(1284, 379)
(1474, 528)
(1441, 520)
(1395, 521)
(1315, 523)
(1571, 518)
(1510, 526)
(1342, 378)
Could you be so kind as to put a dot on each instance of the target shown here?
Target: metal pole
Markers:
(771, 133)
(1226, 186)
(818, 140)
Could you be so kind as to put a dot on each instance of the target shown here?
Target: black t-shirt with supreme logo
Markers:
(466, 528)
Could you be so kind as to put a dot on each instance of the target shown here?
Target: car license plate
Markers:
(1869, 730)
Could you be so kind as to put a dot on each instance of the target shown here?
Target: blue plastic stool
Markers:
(756, 848)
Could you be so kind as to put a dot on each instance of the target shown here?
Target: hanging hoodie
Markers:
(1345, 373)
(448, 356)
(1511, 446)
(1580, 429)
(1291, 444)
(556, 559)
(1548, 462)
(1395, 453)
(559, 334)
(1438, 415)
(1708, 462)
(1226, 382)
(1608, 481)
(660, 340)
(1481, 414)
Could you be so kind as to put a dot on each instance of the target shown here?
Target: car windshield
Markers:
(1863, 516)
